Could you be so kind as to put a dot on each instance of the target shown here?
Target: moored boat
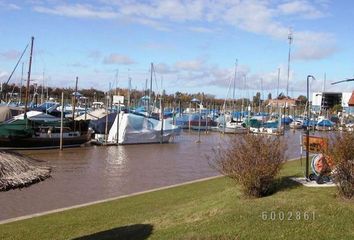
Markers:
(131, 128)
(31, 134)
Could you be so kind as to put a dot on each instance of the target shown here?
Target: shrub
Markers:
(340, 150)
(252, 161)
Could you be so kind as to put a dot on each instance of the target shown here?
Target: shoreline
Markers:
(10, 220)
(24, 217)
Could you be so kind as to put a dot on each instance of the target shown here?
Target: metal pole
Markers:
(106, 118)
(307, 130)
(42, 90)
(74, 102)
(21, 84)
(308, 127)
(161, 119)
(189, 116)
(290, 37)
(28, 78)
(150, 89)
(61, 121)
(85, 109)
(118, 113)
(233, 92)
(129, 86)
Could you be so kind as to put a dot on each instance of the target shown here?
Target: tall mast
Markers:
(233, 92)
(290, 38)
(74, 99)
(28, 78)
(117, 72)
(150, 90)
(21, 84)
(243, 97)
(42, 92)
(278, 87)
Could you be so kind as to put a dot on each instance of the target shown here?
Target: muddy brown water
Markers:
(82, 175)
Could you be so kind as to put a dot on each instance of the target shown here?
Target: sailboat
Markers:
(228, 124)
(25, 132)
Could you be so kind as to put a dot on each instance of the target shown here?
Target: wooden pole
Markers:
(61, 121)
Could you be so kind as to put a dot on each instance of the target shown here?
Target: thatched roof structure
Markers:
(19, 171)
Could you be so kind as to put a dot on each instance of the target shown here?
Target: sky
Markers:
(196, 45)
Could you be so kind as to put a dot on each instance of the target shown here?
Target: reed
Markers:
(17, 171)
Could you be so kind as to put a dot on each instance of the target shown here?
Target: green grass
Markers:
(213, 209)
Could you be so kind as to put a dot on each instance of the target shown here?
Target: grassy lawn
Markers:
(212, 209)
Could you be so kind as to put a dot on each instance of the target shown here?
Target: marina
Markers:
(176, 120)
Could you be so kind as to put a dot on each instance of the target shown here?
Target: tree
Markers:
(257, 99)
(337, 108)
(269, 96)
(302, 99)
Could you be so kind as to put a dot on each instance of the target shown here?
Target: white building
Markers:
(326, 100)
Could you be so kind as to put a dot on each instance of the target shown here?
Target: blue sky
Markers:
(193, 44)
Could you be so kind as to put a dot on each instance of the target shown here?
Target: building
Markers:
(289, 102)
(327, 100)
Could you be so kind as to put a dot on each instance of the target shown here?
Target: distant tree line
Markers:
(177, 99)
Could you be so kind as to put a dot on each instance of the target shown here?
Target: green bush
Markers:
(253, 161)
(341, 152)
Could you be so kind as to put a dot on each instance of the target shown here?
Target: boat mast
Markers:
(74, 99)
(150, 90)
(233, 92)
(290, 38)
(21, 85)
(28, 78)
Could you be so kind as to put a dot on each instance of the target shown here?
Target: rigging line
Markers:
(157, 87)
(227, 94)
(16, 64)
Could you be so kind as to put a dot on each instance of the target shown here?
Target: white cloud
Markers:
(10, 54)
(201, 29)
(314, 46)
(190, 65)
(163, 68)
(174, 10)
(77, 11)
(256, 16)
(118, 59)
(301, 7)
(9, 6)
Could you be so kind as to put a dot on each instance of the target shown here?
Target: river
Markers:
(87, 174)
